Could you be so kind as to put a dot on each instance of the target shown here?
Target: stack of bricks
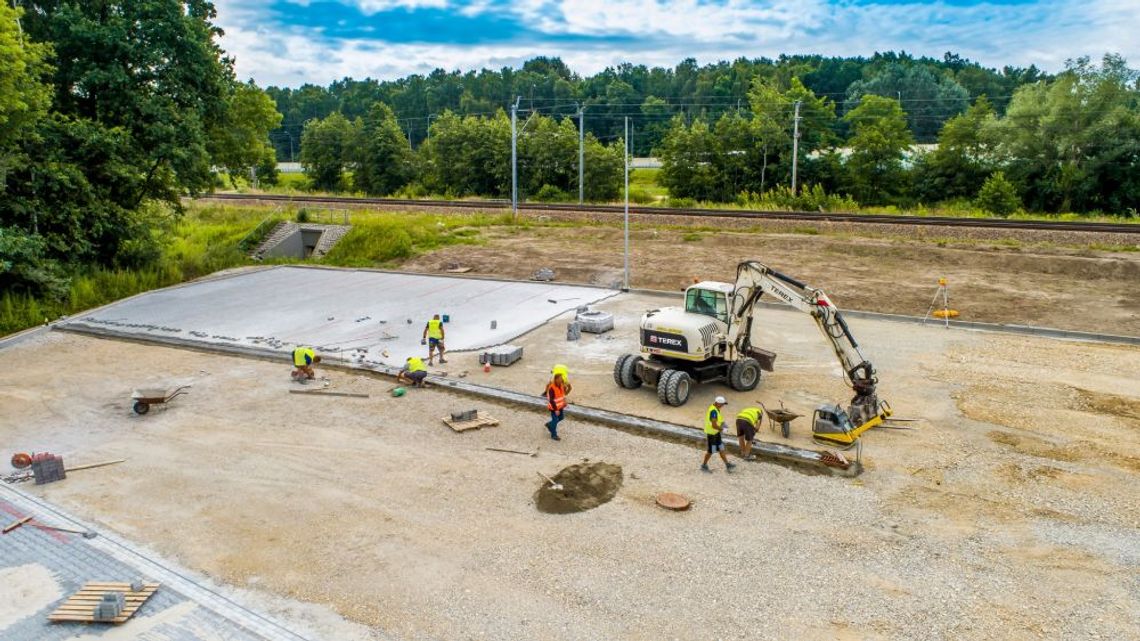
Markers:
(573, 331)
(595, 322)
(110, 607)
(48, 468)
(503, 355)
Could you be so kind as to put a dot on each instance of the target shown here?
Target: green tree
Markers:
(770, 112)
(239, 140)
(931, 96)
(998, 196)
(965, 157)
(687, 154)
(383, 159)
(880, 138)
(327, 150)
(24, 98)
(467, 155)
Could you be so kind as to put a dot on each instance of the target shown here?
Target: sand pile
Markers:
(584, 486)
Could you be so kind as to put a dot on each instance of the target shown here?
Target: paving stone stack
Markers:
(573, 331)
(48, 468)
(503, 355)
(595, 322)
(110, 607)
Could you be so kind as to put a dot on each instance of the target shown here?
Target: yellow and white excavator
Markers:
(710, 339)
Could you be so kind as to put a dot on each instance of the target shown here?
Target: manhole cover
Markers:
(673, 501)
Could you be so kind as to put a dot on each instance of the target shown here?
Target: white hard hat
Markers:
(720, 401)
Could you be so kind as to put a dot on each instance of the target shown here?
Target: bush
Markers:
(303, 215)
(640, 196)
(810, 198)
(551, 194)
(682, 203)
(998, 196)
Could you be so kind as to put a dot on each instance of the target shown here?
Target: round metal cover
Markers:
(673, 501)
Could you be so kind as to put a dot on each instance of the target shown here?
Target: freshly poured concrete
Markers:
(355, 315)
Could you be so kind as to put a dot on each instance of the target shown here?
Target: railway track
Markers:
(837, 217)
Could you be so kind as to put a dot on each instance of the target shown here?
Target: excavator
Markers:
(710, 339)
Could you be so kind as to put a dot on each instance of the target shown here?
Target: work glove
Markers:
(423, 341)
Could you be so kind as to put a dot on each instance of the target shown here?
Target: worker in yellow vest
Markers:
(414, 372)
(433, 338)
(303, 361)
(746, 423)
(714, 425)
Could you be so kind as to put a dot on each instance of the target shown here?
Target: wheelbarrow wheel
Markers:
(141, 407)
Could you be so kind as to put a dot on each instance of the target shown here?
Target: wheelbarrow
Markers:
(148, 396)
(781, 417)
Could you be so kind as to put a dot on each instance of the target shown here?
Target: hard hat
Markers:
(720, 401)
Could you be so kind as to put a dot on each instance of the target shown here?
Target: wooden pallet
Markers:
(473, 424)
(80, 607)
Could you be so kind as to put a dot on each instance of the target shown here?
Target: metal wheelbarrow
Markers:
(782, 417)
(148, 396)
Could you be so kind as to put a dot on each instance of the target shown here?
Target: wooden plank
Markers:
(323, 393)
(93, 465)
(80, 607)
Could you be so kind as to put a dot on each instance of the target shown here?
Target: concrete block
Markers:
(504, 355)
(110, 607)
(466, 415)
(573, 331)
(596, 322)
(48, 469)
(545, 274)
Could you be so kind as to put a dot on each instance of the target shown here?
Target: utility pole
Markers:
(514, 160)
(626, 288)
(581, 153)
(795, 146)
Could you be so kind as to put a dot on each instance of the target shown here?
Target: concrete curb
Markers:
(637, 424)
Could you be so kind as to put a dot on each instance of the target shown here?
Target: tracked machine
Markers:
(710, 339)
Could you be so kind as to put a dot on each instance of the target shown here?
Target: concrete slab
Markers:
(352, 314)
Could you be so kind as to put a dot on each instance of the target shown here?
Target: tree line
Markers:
(110, 111)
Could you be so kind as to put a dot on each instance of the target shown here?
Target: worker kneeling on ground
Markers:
(414, 372)
(714, 425)
(556, 391)
(303, 361)
(433, 338)
(746, 423)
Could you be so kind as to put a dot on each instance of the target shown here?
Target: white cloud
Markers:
(667, 31)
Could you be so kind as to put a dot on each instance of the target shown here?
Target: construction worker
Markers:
(433, 338)
(414, 372)
(746, 423)
(563, 371)
(303, 361)
(556, 391)
(714, 425)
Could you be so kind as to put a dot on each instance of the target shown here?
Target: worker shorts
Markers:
(715, 443)
(745, 430)
(435, 342)
(417, 377)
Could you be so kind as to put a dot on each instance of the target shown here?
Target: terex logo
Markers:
(667, 341)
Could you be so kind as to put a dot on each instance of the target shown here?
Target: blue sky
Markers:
(291, 42)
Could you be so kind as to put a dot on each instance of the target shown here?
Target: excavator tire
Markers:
(629, 376)
(744, 374)
(677, 388)
(617, 368)
(663, 385)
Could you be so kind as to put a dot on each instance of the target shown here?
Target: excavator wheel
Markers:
(677, 388)
(663, 385)
(625, 371)
(744, 374)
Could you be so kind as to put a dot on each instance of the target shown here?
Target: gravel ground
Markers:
(1010, 512)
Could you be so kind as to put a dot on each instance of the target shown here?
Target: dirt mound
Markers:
(584, 486)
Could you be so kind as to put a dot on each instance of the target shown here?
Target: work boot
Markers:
(730, 466)
(555, 436)
(441, 361)
(705, 468)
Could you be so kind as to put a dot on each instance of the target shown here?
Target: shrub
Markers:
(998, 196)
(810, 198)
(550, 194)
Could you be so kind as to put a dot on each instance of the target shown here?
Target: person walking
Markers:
(714, 425)
(433, 338)
(414, 372)
(746, 423)
(556, 391)
(303, 360)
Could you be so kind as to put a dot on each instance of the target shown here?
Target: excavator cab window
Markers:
(707, 302)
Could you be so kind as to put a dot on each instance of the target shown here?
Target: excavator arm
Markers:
(754, 280)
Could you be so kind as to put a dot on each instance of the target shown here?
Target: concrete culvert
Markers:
(584, 486)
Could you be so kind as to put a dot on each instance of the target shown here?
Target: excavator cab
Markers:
(708, 301)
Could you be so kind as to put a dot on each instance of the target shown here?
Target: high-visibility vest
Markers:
(559, 401)
(750, 414)
(416, 365)
(302, 356)
(711, 426)
(435, 328)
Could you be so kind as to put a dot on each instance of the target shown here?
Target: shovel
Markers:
(554, 486)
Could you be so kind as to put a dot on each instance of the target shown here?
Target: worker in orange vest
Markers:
(556, 391)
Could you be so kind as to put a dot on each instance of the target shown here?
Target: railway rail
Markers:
(836, 217)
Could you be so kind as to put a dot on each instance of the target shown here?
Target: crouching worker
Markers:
(746, 423)
(303, 361)
(414, 372)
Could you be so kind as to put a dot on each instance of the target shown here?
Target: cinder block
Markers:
(596, 322)
(573, 331)
(465, 415)
(504, 355)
